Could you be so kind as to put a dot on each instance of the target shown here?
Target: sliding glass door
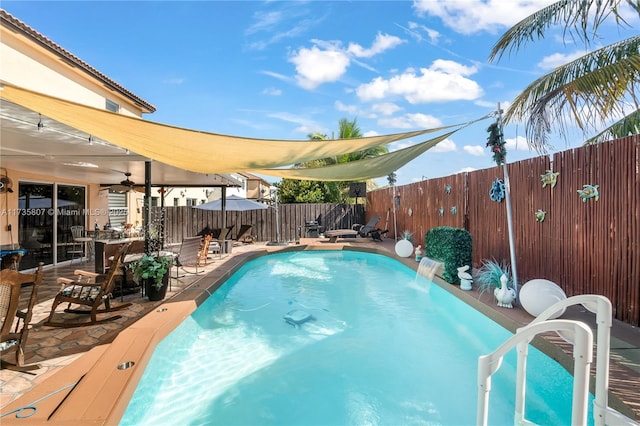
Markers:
(47, 212)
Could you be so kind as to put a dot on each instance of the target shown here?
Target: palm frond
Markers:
(586, 91)
(579, 18)
(628, 125)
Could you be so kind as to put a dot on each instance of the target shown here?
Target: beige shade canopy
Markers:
(187, 149)
(367, 168)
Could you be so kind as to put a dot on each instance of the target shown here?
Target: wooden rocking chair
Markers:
(92, 290)
(10, 285)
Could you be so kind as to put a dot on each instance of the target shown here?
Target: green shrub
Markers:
(451, 246)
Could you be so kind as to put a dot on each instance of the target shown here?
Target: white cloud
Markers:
(465, 170)
(385, 108)
(350, 109)
(552, 61)
(381, 43)
(475, 150)
(315, 66)
(410, 121)
(442, 81)
(432, 34)
(328, 61)
(446, 145)
(471, 16)
(519, 143)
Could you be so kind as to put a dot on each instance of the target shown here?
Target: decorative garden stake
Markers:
(589, 191)
(497, 144)
(540, 215)
(549, 178)
(496, 193)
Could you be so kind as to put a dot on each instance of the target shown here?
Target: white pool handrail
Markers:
(601, 306)
(582, 354)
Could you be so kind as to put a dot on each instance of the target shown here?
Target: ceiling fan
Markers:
(6, 184)
(125, 185)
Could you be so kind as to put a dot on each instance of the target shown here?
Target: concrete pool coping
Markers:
(94, 390)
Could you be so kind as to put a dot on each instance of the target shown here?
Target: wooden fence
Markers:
(587, 247)
(181, 222)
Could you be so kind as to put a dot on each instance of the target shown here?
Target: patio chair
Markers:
(11, 282)
(189, 255)
(91, 290)
(244, 235)
(76, 247)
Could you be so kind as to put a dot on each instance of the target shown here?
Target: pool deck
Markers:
(71, 359)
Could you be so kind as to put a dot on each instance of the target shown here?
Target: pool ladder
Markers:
(581, 337)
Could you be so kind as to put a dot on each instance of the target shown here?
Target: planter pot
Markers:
(153, 293)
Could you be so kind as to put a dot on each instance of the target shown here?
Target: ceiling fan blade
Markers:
(120, 188)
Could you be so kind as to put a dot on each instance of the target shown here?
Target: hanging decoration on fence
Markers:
(540, 215)
(440, 211)
(454, 210)
(549, 178)
(589, 191)
(497, 144)
(496, 193)
(447, 189)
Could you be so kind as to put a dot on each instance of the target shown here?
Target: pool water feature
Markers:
(382, 347)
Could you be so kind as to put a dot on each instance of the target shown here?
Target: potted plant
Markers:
(496, 278)
(152, 272)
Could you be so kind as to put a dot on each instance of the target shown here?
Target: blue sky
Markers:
(282, 69)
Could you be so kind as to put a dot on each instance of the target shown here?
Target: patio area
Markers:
(55, 348)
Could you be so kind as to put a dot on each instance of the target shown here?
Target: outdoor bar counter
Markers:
(104, 249)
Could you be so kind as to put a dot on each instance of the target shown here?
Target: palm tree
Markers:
(598, 89)
(299, 191)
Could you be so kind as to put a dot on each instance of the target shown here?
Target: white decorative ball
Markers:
(404, 248)
(537, 295)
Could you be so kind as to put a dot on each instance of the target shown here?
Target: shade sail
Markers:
(187, 149)
(233, 203)
(368, 168)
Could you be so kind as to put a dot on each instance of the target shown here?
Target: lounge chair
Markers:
(365, 231)
(11, 282)
(92, 290)
(217, 245)
(244, 235)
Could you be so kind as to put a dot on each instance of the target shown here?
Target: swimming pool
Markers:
(382, 347)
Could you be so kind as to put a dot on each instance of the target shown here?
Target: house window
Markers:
(176, 202)
(112, 106)
(192, 202)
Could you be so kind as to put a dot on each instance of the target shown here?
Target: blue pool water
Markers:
(383, 347)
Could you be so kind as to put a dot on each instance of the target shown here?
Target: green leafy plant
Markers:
(487, 277)
(451, 246)
(406, 235)
(150, 267)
